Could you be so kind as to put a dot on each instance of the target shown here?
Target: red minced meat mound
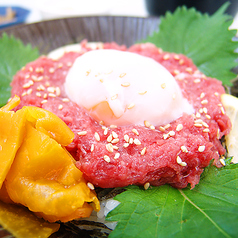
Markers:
(175, 154)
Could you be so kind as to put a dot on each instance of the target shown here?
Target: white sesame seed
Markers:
(41, 87)
(137, 142)
(216, 94)
(23, 94)
(105, 131)
(92, 148)
(60, 107)
(45, 96)
(163, 85)
(179, 127)
(96, 136)
(184, 149)
(47, 84)
(90, 185)
(51, 89)
(143, 151)
(171, 133)
(167, 126)
(162, 129)
(65, 100)
(82, 133)
(131, 105)
(189, 70)
(197, 80)
(200, 111)
(202, 95)
(146, 123)
(146, 185)
(198, 115)
(205, 110)
(29, 91)
(115, 147)
(52, 95)
(206, 130)
(176, 72)
(30, 69)
(126, 84)
(205, 101)
(122, 75)
(166, 57)
(165, 136)
(183, 164)
(135, 131)
(179, 160)
(205, 124)
(223, 162)
(43, 101)
(201, 148)
(51, 70)
(197, 125)
(125, 145)
(208, 117)
(107, 158)
(60, 65)
(181, 61)
(152, 127)
(176, 57)
(109, 147)
(142, 92)
(223, 111)
(114, 141)
(113, 126)
(117, 155)
(114, 97)
(126, 138)
(38, 94)
(114, 134)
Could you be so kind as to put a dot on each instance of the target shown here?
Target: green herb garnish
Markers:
(203, 38)
(208, 210)
(14, 55)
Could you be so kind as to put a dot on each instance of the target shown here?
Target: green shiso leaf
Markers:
(209, 210)
(203, 38)
(14, 55)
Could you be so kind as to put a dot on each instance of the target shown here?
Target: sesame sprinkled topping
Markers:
(38, 94)
(117, 155)
(126, 84)
(96, 136)
(142, 92)
(92, 148)
(65, 100)
(122, 75)
(107, 158)
(198, 115)
(114, 141)
(82, 133)
(223, 111)
(114, 97)
(161, 128)
(126, 138)
(131, 140)
(197, 80)
(204, 101)
(51, 70)
(109, 147)
(201, 148)
(223, 162)
(180, 162)
(166, 57)
(216, 94)
(105, 131)
(202, 95)
(176, 57)
(184, 149)
(179, 127)
(44, 101)
(181, 61)
(143, 151)
(146, 123)
(205, 110)
(41, 87)
(113, 126)
(146, 185)
(131, 105)
(176, 72)
(57, 90)
(90, 185)
(167, 126)
(51, 89)
(60, 107)
(137, 142)
(206, 130)
(135, 131)
(189, 70)
(171, 133)
(114, 134)
(52, 95)
(163, 85)
(125, 145)
(208, 116)
(152, 127)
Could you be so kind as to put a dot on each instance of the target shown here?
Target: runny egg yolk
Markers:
(123, 88)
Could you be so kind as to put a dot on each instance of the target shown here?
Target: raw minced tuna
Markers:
(111, 156)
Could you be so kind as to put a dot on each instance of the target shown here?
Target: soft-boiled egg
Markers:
(122, 88)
